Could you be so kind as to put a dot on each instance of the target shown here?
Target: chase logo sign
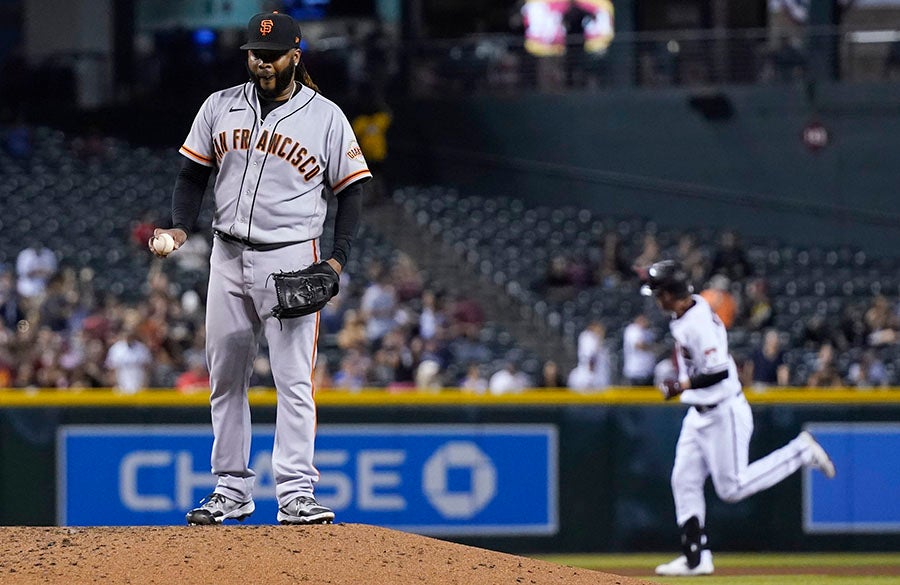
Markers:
(431, 479)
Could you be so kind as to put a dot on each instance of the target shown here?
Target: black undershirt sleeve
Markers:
(190, 186)
(706, 380)
(346, 221)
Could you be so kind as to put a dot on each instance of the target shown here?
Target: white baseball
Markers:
(163, 244)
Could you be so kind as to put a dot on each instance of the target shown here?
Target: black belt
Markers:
(704, 408)
(252, 245)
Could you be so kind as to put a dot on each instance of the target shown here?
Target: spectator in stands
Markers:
(818, 331)
(378, 304)
(34, 267)
(638, 352)
(406, 278)
(142, 229)
(881, 322)
(196, 378)
(551, 377)
(352, 374)
(466, 316)
(613, 266)
(720, 299)
(382, 367)
(868, 371)
(593, 371)
(55, 308)
(580, 273)
(767, 366)
(557, 284)
(852, 330)
(7, 359)
(431, 317)
(590, 341)
(649, 252)
(400, 359)
(261, 374)
(92, 372)
(130, 360)
(193, 255)
(436, 350)
(758, 312)
(10, 307)
(508, 380)
(591, 375)
(45, 355)
(730, 259)
(164, 369)
(428, 375)
(353, 334)
(153, 324)
(98, 323)
(691, 257)
(331, 317)
(473, 381)
(825, 373)
(468, 348)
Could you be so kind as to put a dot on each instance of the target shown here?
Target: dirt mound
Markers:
(349, 554)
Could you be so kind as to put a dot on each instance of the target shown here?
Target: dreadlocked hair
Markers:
(305, 78)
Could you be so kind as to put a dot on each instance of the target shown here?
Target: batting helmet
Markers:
(668, 276)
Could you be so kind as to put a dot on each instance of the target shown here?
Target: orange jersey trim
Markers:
(343, 182)
(196, 156)
(312, 373)
(312, 363)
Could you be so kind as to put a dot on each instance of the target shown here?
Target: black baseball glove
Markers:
(303, 292)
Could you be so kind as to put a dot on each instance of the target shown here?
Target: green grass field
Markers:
(754, 568)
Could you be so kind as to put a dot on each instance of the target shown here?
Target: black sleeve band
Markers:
(190, 186)
(705, 380)
(346, 221)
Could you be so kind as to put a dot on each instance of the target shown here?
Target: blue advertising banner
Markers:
(864, 496)
(487, 480)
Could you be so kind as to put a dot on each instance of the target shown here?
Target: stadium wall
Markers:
(730, 158)
(613, 450)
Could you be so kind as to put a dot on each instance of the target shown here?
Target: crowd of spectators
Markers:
(725, 277)
(390, 329)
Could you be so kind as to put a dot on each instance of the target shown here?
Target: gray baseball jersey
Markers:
(272, 173)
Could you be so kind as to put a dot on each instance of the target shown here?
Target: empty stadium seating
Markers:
(512, 244)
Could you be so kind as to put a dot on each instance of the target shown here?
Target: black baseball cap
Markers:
(272, 31)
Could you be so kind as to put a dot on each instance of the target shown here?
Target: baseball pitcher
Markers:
(279, 148)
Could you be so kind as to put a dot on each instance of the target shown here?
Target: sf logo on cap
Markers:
(265, 27)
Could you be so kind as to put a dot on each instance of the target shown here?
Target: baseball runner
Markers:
(715, 433)
(278, 148)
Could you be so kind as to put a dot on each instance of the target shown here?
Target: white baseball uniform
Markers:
(715, 433)
(273, 178)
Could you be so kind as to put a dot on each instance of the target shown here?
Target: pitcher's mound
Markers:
(351, 554)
